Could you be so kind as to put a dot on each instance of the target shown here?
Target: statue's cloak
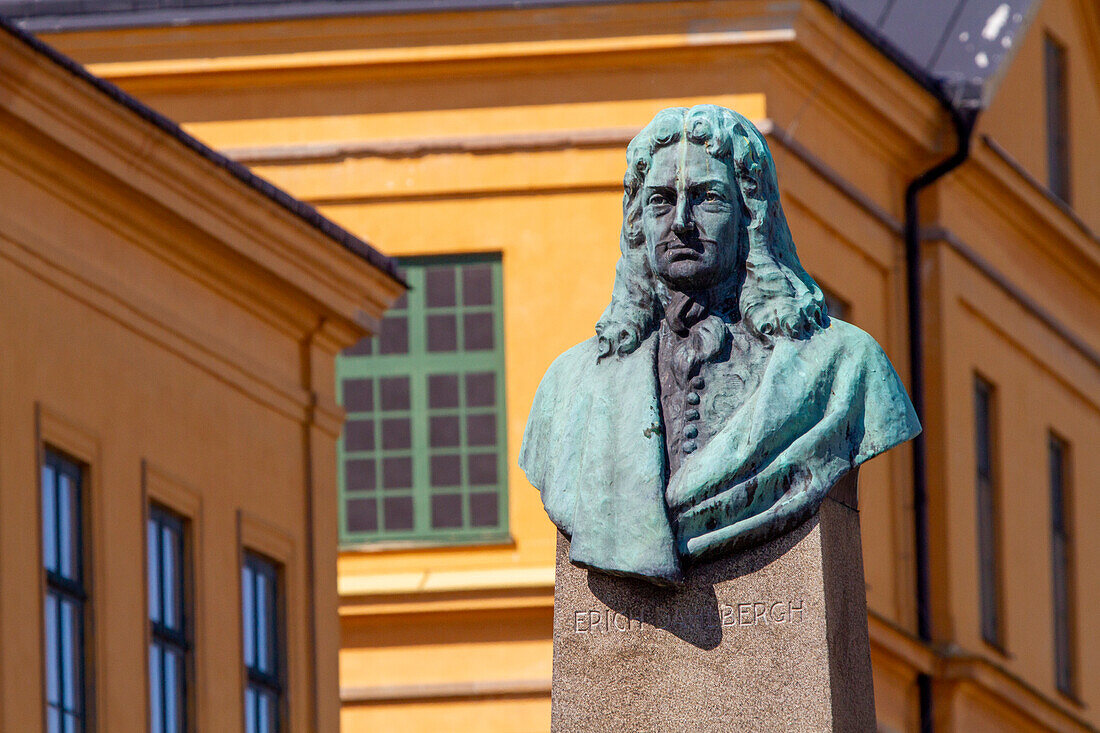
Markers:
(594, 448)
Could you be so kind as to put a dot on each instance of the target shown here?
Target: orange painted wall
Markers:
(153, 334)
(505, 131)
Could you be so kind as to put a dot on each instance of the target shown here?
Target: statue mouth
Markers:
(675, 254)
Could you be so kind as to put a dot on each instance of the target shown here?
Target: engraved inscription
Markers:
(754, 613)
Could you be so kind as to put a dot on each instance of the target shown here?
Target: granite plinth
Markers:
(773, 639)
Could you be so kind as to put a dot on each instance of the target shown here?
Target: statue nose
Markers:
(682, 223)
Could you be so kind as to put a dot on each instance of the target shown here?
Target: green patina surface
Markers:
(706, 256)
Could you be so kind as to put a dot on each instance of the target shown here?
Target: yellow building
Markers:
(168, 422)
(491, 139)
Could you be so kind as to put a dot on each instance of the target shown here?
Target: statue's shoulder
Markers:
(846, 341)
(579, 370)
(583, 353)
(573, 362)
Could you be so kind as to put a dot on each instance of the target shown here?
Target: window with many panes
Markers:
(66, 593)
(169, 647)
(422, 456)
(263, 644)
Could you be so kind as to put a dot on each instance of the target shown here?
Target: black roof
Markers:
(304, 211)
(957, 49)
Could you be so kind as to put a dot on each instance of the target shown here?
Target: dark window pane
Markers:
(248, 614)
(397, 473)
(442, 391)
(362, 515)
(481, 430)
(359, 435)
(173, 689)
(268, 712)
(1057, 104)
(484, 511)
(358, 395)
(989, 571)
(152, 555)
(53, 650)
(477, 285)
(446, 511)
(395, 335)
(396, 433)
(444, 431)
(446, 470)
(481, 389)
(442, 333)
(170, 586)
(250, 701)
(359, 475)
(49, 517)
(68, 505)
(400, 304)
(71, 663)
(264, 652)
(156, 689)
(360, 348)
(982, 400)
(398, 511)
(479, 331)
(395, 393)
(1062, 568)
(439, 287)
(482, 469)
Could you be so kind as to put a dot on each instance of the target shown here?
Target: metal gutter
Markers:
(963, 121)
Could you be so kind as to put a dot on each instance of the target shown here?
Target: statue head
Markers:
(701, 214)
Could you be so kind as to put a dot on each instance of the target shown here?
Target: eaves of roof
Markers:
(303, 211)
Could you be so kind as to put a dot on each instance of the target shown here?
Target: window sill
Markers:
(497, 540)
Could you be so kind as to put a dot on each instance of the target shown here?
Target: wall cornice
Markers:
(89, 132)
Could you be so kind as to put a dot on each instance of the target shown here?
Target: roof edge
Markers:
(299, 209)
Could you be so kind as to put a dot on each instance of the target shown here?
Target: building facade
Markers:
(168, 421)
(484, 148)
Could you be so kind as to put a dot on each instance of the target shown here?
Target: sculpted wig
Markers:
(777, 298)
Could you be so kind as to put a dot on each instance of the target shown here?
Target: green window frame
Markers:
(423, 457)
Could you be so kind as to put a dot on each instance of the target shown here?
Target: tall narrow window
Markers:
(988, 540)
(1057, 103)
(423, 455)
(66, 594)
(260, 599)
(169, 648)
(1062, 566)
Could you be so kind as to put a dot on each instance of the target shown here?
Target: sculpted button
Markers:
(690, 446)
(691, 431)
(691, 415)
(692, 398)
(697, 382)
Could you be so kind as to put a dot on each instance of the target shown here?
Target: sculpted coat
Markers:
(718, 402)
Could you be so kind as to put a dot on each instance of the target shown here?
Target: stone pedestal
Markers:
(775, 639)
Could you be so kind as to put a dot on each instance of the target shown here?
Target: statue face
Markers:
(690, 217)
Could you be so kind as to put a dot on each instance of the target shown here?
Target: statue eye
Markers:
(713, 196)
(658, 199)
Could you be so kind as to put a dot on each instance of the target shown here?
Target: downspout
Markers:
(963, 118)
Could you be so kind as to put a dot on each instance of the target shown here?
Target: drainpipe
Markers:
(963, 117)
